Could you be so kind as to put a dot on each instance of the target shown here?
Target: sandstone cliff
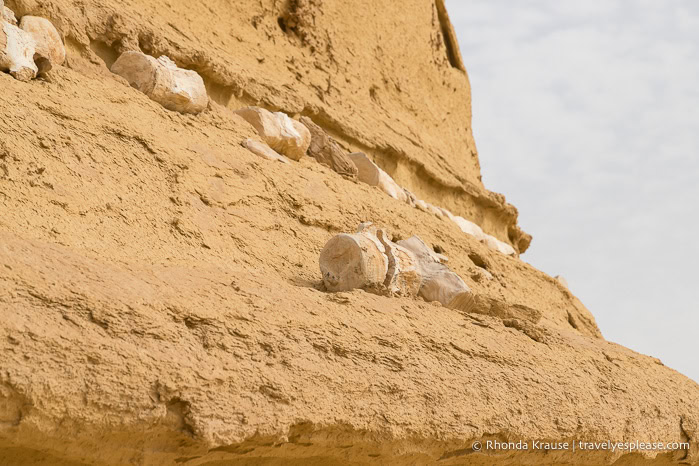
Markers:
(159, 288)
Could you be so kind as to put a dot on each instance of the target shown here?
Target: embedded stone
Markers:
(17, 51)
(48, 43)
(283, 134)
(174, 88)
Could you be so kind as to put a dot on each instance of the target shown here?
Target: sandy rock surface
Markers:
(159, 286)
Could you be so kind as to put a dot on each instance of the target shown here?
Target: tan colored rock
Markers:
(50, 51)
(174, 88)
(263, 150)
(371, 174)
(283, 134)
(325, 150)
(354, 261)
(438, 282)
(17, 52)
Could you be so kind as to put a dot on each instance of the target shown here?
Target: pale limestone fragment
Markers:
(429, 208)
(263, 150)
(560, 279)
(174, 88)
(500, 246)
(50, 51)
(469, 227)
(371, 174)
(281, 133)
(17, 52)
(438, 282)
(403, 277)
(352, 261)
(326, 151)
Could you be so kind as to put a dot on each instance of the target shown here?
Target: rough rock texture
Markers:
(159, 290)
(172, 87)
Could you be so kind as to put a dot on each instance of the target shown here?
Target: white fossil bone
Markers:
(283, 134)
(469, 227)
(403, 277)
(263, 150)
(438, 282)
(326, 151)
(371, 174)
(351, 261)
(17, 49)
(174, 88)
(429, 208)
(494, 243)
(50, 51)
(7, 14)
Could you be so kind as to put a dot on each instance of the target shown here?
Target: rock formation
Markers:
(159, 287)
(263, 150)
(174, 88)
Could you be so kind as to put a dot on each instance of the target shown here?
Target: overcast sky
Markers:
(586, 116)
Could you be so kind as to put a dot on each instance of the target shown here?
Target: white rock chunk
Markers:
(371, 174)
(7, 14)
(469, 227)
(438, 282)
(263, 150)
(500, 246)
(174, 88)
(17, 52)
(352, 261)
(49, 45)
(403, 277)
(281, 133)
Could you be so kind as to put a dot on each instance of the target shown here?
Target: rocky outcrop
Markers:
(49, 49)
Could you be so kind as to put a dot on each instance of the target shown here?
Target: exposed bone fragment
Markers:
(429, 208)
(403, 277)
(263, 150)
(469, 227)
(562, 280)
(371, 174)
(351, 261)
(438, 282)
(174, 88)
(17, 50)
(325, 150)
(7, 14)
(50, 51)
(281, 133)
(494, 243)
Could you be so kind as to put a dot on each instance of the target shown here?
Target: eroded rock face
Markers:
(281, 133)
(49, 48)
(17, 50)
(174, 88)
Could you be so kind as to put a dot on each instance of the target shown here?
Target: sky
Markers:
(586, 116)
